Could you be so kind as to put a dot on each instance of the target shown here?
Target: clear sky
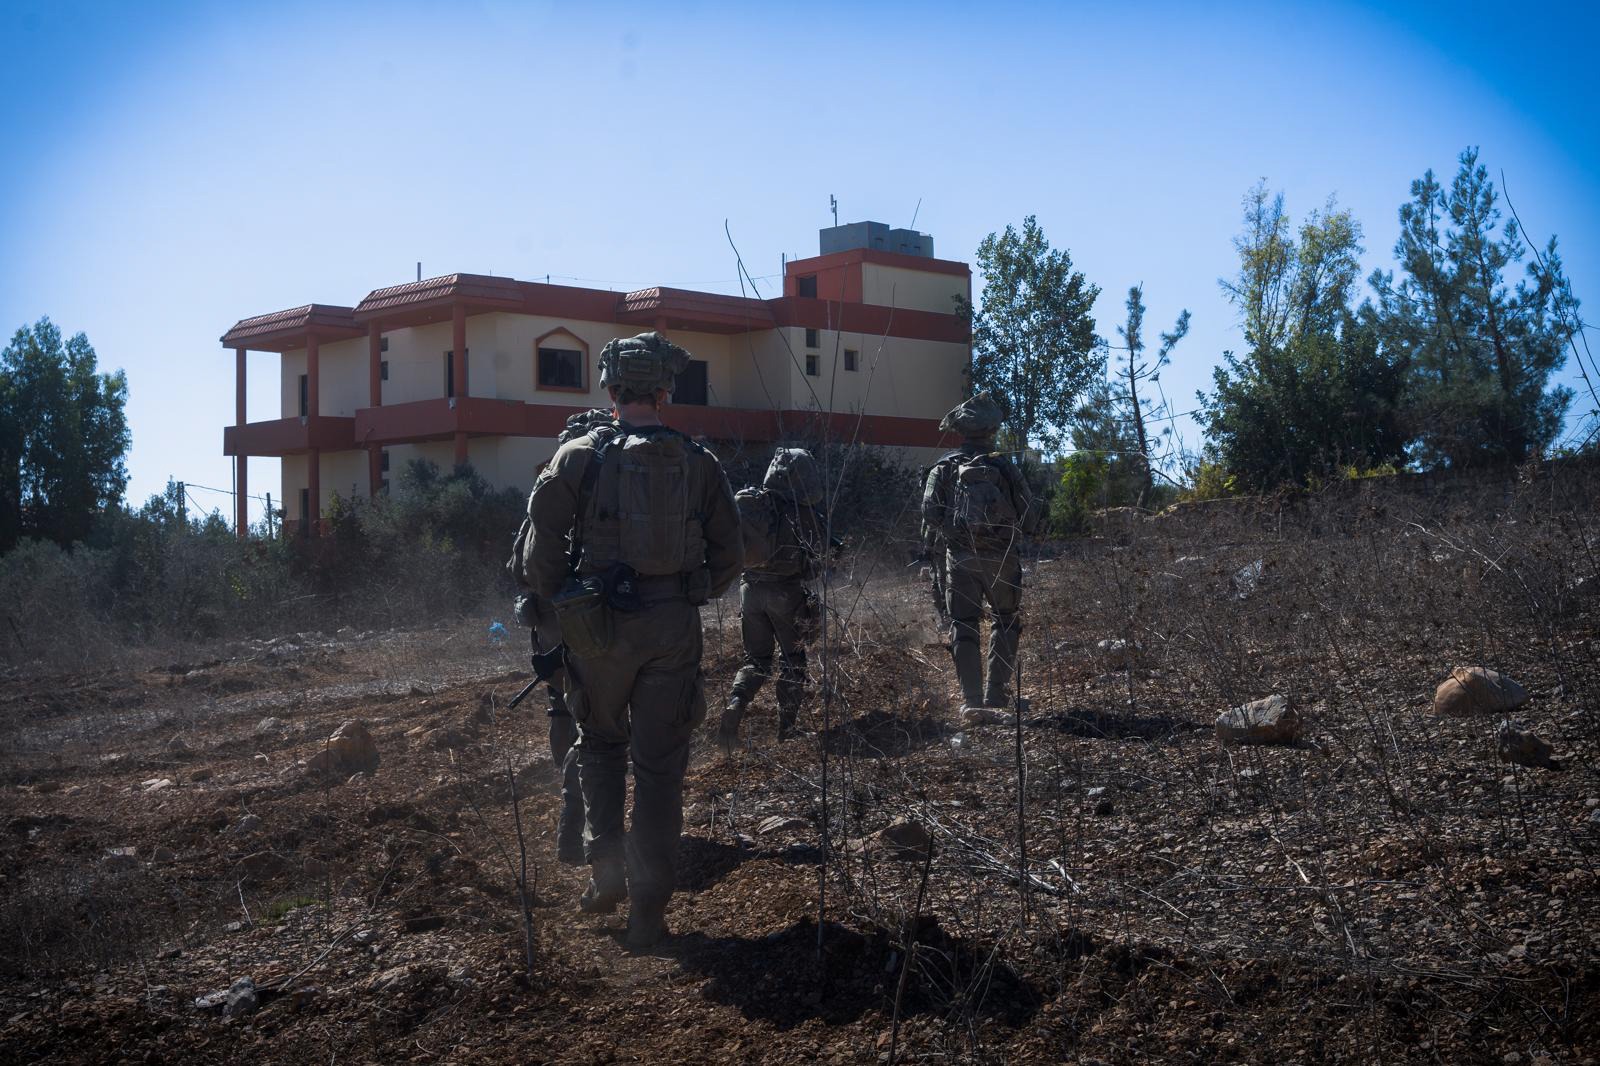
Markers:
(173, 167)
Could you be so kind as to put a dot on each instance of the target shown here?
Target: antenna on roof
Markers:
(419, 270)
(915, 213)
(834, 204)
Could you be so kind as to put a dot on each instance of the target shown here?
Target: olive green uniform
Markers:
(979, 571)
(773, 600)
(643, 696)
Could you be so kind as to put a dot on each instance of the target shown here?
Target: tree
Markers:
(1480, 354)
(1033, 339)
(63, 437)
(1134, 372)
(1315, 389)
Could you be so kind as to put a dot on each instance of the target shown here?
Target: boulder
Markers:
(271, 725)
(1115, 654)
(1248, 579)
(245, 826)
(1472, 690)
(241, 999)
(350, 750)
(1264, 721)
(1516, 743)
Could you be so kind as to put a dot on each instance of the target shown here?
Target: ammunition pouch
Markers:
(585, 615)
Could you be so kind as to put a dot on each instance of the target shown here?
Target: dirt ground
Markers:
(1384, 889)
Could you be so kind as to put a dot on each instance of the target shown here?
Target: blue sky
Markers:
(175, 167)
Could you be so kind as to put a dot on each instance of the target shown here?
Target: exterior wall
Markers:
(416, 363)
(292, 365)
(343, 474)
(912, 289)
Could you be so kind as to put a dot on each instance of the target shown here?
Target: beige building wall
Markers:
(915, 290)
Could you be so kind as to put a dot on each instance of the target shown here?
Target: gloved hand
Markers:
(522, 610)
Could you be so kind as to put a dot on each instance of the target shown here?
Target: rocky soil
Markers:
(191, 871)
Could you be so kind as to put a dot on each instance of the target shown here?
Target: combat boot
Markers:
(647, 924)
(728, 729)
(608, 886)
(569, 835)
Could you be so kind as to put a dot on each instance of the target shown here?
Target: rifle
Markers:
(545, 664)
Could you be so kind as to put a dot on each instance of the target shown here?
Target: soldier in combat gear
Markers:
(783, 536)
(977, 501)
(539, 616)
(654, 533)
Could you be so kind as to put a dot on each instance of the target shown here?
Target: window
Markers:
(811, 365)
(305, 396)
(384, 462)
(383, 344)
(383, 370)
(811, 339)
(851, 358)
(450, 373)
(690, 386)
(305, 512)
(560, 368)
(807, 286)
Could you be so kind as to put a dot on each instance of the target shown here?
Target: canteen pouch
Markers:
(585, 616)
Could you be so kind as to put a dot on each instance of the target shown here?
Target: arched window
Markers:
(561, 362)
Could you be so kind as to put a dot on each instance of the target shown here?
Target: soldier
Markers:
(978, 503)
(783, 536)
(654, 534)
(538, 615)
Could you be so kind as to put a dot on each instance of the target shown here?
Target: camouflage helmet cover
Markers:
(794, 474)
(978, 416)
(641, 364)
(582, 422)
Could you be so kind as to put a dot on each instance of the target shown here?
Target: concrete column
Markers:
(458, 345)
(241, 499)
(314, 456)
(374, 399)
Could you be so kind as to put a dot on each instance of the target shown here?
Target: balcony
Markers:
(290, 436)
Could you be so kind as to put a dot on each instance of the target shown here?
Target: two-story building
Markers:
(866, 344)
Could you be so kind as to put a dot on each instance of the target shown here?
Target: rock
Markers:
(1516, 743)
(156, 784)
(364, 937)
(304, 998)
(902, 840)
(779, 823)
(178, 746)
(1265, 721)
(1096, 792)
(445, 738)
(120, 858)
(271, 725)
(163, 855)
(1476, 690)
(260, 865)
(244, 826)
(1116, 654)
(202, 774)
(1248, 579)
(351, 749)
(240, 999)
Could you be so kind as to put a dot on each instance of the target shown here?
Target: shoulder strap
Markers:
(603, 436)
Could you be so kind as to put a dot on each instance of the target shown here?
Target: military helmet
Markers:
(582, 422)
(795, 475)
(641, 364)
(977, 416)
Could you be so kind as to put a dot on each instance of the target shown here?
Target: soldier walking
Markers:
(976, 501)
(654, 535)
(783, 536)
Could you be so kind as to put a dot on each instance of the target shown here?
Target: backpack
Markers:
(981, 510)
(758, 526)
(636, 503)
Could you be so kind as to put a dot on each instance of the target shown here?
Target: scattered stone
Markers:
(304, 998)
(241, 999)
(351, 749)
(902, 840)
(779, 823)
(462, 977)
(156, 784)
(244, 826)
(235, 927)
(271, 725)
(1516, 743)
(178, 746)
(202, 774)
(392, 979)
(261, 758)
(1096, 792)
(1248, 579)
(1476, 690)
(1264, 721)
(445, 738)
(1116, 654)
(120, 858)
(364, 937)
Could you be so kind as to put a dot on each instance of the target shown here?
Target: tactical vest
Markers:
(638, 503)
(773, 544)
(981, 510)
